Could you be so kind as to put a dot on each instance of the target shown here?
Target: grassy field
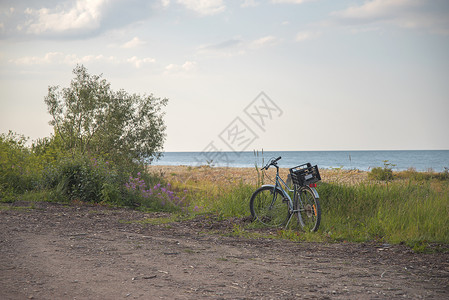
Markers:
(411, 208)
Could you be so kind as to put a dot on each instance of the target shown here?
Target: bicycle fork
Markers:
(299, 206)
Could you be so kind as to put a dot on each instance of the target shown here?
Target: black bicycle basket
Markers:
(305, 174)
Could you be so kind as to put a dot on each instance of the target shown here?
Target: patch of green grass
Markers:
(41, 195)
(222, 259)
(9, 207)
(226, 201)
(426, 247)
(291, 235)
(397, 212)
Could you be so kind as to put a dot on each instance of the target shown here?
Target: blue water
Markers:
(421, 160)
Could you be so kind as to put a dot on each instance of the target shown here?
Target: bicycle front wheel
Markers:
(308, 210)
(267, 205)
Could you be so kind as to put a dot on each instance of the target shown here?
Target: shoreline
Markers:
(400, 160)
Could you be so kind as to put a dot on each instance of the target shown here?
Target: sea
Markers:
(398, 160)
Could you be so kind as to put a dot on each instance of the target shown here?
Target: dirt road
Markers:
(52, 251)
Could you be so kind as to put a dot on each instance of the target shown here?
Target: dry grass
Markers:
(218, 175)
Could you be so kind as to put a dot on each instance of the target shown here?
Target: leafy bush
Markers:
(49, 150)
(47, 169)
(380, 173)
(18, 170)
(84, 179)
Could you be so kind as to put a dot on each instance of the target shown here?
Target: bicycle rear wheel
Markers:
(309, 210)
(267, 205)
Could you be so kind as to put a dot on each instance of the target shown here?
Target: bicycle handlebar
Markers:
(272, 162)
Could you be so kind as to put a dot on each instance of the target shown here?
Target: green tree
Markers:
(90, 118)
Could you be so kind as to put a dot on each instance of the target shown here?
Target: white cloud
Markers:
(72, 18)
(430, 15)
(204, 7)
(264, 41)
(33, 60)
(249, 3)
(85, 14)
(376, 9)
(223, 45)
(165, 3)
(171, 67)
(306, 35)
(72, 59)
(187, 66)
(291, 1)
(7, 12)
(139, 62)
(237, 46)
(61, 58)
(228, 48)
(135, 42)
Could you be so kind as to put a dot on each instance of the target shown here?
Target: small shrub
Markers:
(19, 170)
(380, 173)
(84, 179)
(384, 173)
(7, 195)
(159, 197)
(110, 193)
(445, 174)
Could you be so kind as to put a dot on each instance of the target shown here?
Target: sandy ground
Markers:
(55, 251)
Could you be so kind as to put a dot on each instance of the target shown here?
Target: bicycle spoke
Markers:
(308, 209)
(269, 207)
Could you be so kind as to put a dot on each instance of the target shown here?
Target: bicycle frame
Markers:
(279, 182)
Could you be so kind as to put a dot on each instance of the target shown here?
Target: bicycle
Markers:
(272, 205)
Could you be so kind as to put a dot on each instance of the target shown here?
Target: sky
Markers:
(240, 75)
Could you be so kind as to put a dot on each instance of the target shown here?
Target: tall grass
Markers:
(394, 212)
(226, 201)
(398, 212)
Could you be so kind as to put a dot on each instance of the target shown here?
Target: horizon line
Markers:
(250, 151)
